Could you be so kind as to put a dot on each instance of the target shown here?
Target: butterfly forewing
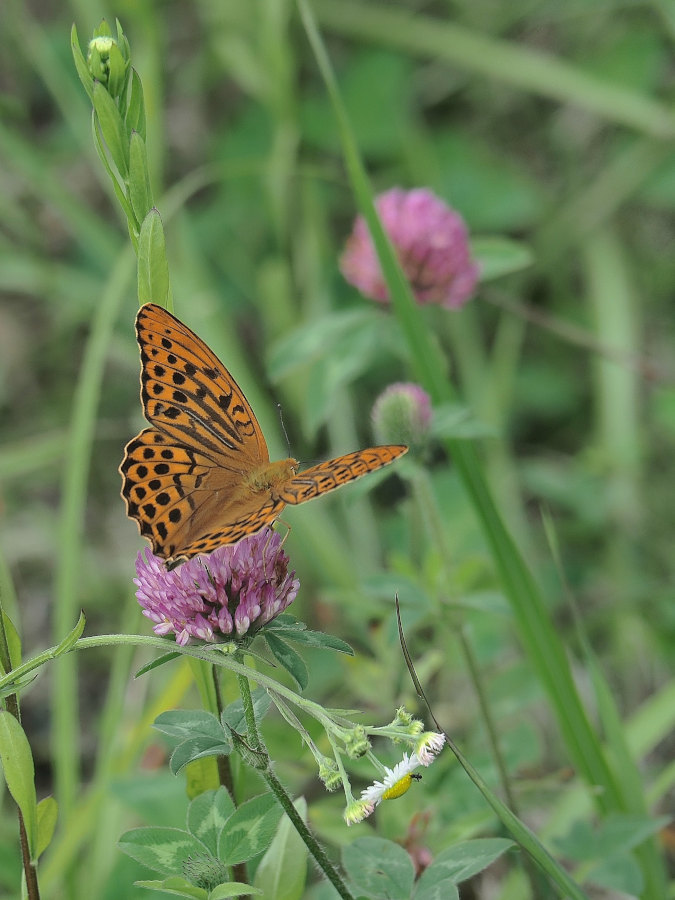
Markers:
(330, 475)
(162, 485)
(188, 393)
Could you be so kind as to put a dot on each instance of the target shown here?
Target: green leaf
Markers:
(282, 872)
(81, 64)
(118, 68)
(232, 889)
(457, 864)
(499, 256)
(309, 343)
(233, 715)
(102, 30)
(444, 889)
(135, 117)
(617, 834)
(198, 748)
(380, 868)
(452, 420)
(249, 830)
(201, 775)
(289, 659)
(310, 638)
(15, 687)
(140, 194)
(72, 637)
(163, 850)
(185, 723)
(112, 128)
(618, 873)
(13, 640)
(47, 814)
(165, 658)
(103, 156)
(207, 814)
(176, 886)
(153, 268)
(17, 763)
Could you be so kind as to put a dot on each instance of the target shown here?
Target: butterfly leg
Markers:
(267, 543)
(288, 531)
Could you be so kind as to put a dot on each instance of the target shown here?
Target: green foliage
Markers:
(19, 774)
(282, 872)
(382, 869)
(551, 134)
(217, 837)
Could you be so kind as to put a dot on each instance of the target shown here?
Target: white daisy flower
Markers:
(357, 811)
(395, 783)
(428, 745)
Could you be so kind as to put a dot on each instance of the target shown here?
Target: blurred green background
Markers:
(546, 123)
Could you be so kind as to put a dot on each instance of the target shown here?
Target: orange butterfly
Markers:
(202, 476)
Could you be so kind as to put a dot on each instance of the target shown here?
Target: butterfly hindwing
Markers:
(188, 393)
(332, 474)
(246, 521)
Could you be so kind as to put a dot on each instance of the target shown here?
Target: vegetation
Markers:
(526, 534)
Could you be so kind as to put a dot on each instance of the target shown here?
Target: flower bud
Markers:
(329, 774)
(108, 63)
(402, 415)
(356, 742)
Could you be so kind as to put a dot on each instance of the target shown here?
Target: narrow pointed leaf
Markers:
(153, 268)
(282, 872)
(72, 637)
(140, 194)
(232, 889)
(176, 886)
(17, 764)
(112, 128)
(289, 659)
(47, 814)
(81, 64)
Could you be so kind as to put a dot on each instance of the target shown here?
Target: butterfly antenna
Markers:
(283, 428)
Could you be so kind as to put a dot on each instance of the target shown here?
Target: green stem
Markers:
(427, 501)
(567, 888)
(311, 842)
(223, 761)
(239, 870)
(284, 799)
(12, 705)
(254, 738)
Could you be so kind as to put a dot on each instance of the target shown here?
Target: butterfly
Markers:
(201, 475)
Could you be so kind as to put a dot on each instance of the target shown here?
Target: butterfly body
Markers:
(201, 476)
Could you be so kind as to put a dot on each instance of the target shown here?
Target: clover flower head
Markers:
(230, 593)
(431, 242)
(402, 415)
